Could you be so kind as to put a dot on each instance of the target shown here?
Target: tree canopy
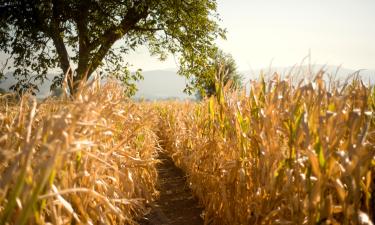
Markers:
(79, 36)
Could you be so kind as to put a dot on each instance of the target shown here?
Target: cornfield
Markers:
(284, 153)
(90, 160)
(280, 153)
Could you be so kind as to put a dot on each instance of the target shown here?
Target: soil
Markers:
(176, 205)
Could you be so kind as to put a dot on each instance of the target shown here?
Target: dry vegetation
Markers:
(285, 154)
(281, 154)
(87, 161)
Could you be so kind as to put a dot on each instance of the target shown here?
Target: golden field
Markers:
(282, 153)
(85, 161)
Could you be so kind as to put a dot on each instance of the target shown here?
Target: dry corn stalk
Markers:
(283, 154)
(90, 160)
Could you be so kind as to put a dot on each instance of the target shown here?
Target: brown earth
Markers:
(176, 205)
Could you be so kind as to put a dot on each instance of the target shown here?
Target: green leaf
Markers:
(211, 109)
(319, 151)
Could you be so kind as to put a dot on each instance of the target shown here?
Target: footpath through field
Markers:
(176, 204)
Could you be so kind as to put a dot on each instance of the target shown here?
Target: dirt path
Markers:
(176, 204)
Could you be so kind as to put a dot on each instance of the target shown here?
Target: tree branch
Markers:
(83, 39)
(128, 23)
(58, 41)
(146, 29)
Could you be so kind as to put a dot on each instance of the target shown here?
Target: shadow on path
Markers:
(176, 204)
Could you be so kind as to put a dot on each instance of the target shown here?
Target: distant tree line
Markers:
(222, 71)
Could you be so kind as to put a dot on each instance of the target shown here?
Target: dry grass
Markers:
(85, 161)
(284, 154)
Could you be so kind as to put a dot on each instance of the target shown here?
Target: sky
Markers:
(283, 32)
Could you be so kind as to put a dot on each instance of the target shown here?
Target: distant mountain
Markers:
(44, 89)
(166, 84)
(300, 72)
(161, 84)
(157, 85)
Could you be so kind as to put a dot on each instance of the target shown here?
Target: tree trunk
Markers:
(88, 60)
(54, 32)
(82, 73)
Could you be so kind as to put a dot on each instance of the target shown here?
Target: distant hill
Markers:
(161, 84)
(44, 89)
(157, 85)
(166, 84)
(301, 72)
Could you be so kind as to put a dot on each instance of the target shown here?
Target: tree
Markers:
(222, 69)
(79, 36)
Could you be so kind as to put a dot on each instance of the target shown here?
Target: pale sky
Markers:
(337, 32)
